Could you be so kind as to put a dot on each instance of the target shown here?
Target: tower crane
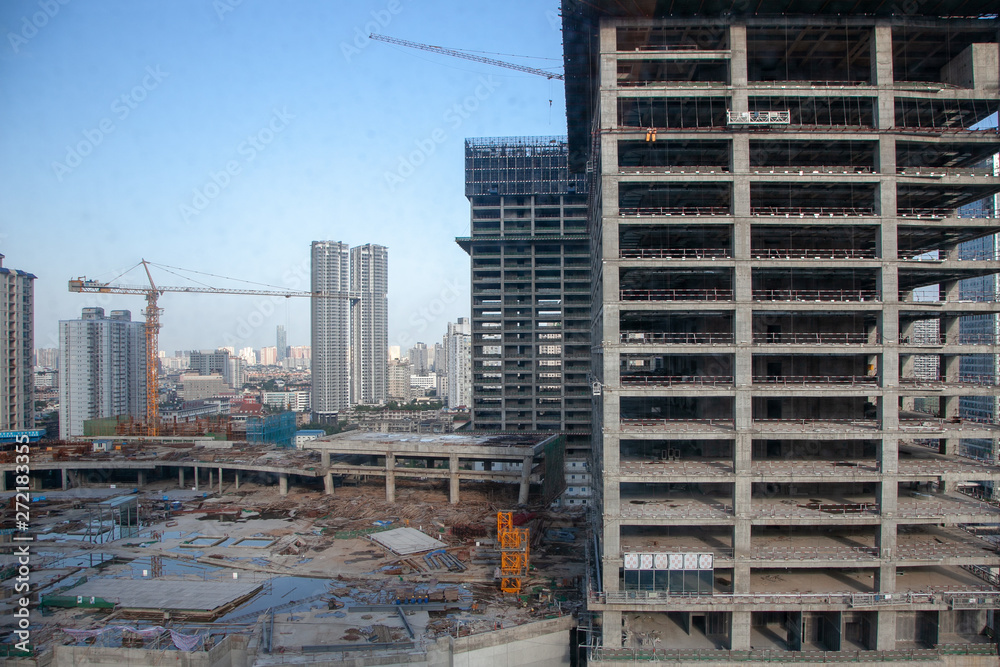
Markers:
(152, 315)
(462, 54)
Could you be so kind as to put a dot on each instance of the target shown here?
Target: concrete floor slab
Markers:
(165, 594)
(403, 541)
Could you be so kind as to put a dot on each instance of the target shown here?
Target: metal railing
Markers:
(818, 424)
(816, 338)
(674, 210)
(835, 169)
(944, 171)
(711, 294)
(673, 169)
(969, 380)
(673, 253)
(813, 211)
(867, 380)
(960, 339)
(674, 424)
(815, 295)
(669, 338)
(671, 380)
(962, 296)
(812, 253)
(955, 254)
(678, 510)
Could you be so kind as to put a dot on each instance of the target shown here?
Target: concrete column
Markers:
(738, 66)
(453, 479)
(140, 478)
(237, 480)
(741, 175)
(324, 459)
(885, 635)
(283, 483)
(522, 493)
(742, 495)
(741, 538)
(949, 447)
(211, 481)
(611, 629)
(608, 45)
(220, 481)
(196, 471)
(390, 478)
(327, 483)
(739, 631)
(741, 578)
(180, 477)
(3, 480)
(65, 479)
(882, 75)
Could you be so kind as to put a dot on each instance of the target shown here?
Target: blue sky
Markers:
(224, 136)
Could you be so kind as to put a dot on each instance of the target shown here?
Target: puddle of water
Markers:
(203, 541)
(82, 560)
(283, 590)
(255, 542)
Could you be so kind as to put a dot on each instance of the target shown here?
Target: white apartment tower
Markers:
(369, 323)
(103, 369)
(16, 346)
(330, 328)
(459, 354)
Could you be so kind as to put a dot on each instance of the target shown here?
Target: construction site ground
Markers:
(313, 548)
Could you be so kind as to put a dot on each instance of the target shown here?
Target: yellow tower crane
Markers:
(152, 315)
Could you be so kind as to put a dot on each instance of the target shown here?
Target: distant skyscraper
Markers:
(17, 343)
(281, 342)
(399, 381)
(330, 328)
(369, 323)
(418, 359)
(102, 363)
(268, 356)
(47, 357)
(459, 345)
(222, 362)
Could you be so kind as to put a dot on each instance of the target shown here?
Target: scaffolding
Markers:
(274, 429)
(513, 543)
(519, 166)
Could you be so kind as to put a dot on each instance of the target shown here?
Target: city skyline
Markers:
(107, 84)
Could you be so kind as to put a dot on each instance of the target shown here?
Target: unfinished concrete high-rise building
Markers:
(369, 324)
(530, 294)
(331, 388)
(17, 341)
(772, 211)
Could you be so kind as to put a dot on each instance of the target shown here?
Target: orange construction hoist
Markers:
(513, 543)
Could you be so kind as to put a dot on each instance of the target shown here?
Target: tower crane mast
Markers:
(467, 56)
(152, 328)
